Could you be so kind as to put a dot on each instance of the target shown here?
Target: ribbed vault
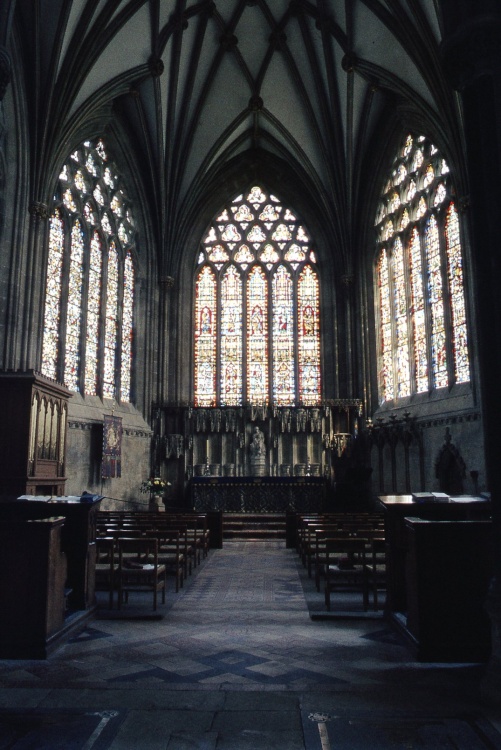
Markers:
(199, 84)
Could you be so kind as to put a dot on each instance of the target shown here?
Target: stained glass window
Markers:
(127, 328)
(419, 276)
(74, 312)
(231, 338)
(53, 292)
(418, 313)
(256, 265)
(401, 320)
(90, 294)
(257, 336)
(456, 286)
(436, 300)
(93, 314)
(205, 338)
(386, 371)
(309, 340)
(110, 327)
(284, 387)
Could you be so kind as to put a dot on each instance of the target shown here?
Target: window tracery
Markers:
(257, 308)
(90, 284)
(423, 337)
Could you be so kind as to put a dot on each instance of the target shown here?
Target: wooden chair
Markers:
(139, 569)
(345, 567)
(106, 565)
(319, 556)
(170, 554)
(188, 548)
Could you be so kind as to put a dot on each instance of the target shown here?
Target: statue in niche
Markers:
(257, 450)
(450, 467)
(257, 447)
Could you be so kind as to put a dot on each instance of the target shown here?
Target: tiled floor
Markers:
(234, 662)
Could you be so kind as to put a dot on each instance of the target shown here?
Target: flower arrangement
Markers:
(154, 485)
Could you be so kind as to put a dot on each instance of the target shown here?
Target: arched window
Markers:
(89, 294)
(257, 308)
(423, 340)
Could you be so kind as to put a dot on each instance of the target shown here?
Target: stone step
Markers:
(253, 526)
(254, 534)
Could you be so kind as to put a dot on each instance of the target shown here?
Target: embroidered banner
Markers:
(112, 448)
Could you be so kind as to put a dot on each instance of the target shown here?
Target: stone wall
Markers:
(418, 449)
(84, 451)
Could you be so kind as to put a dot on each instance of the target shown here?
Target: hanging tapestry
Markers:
(112, 448)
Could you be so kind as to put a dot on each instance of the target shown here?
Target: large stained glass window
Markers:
(257, 308)
(90, 286)
(423, 338)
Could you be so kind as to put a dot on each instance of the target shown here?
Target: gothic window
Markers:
(257, 308)
(423, 338)
(90, 284)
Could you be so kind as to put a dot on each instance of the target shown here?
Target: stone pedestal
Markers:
(258, 467)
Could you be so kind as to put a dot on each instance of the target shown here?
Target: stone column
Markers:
(164, 343)
(471, 51)
(347, 280)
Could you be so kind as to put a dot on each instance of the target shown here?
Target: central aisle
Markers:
(234, 662)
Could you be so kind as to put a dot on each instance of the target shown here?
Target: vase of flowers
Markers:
(155, 486)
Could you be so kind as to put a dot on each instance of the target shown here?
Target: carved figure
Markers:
(257, 447)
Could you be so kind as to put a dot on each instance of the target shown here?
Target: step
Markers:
(254, 526)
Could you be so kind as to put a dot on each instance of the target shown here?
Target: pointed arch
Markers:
(256, 265)
(90, 283)
(419, 276)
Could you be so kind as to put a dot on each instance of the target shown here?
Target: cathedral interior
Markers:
(252, 239)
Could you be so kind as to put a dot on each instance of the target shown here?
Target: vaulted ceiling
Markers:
(196, 83)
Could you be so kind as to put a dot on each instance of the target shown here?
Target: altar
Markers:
(259, 494)
(254, 458)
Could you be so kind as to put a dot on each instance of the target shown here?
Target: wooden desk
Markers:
(77, 539)
(448, 569)
(396, 508)
(32, 581)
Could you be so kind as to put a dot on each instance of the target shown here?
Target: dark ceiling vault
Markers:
(198, 84)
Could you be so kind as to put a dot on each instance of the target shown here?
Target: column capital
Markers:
(39, 210)
(166, 283)
(347, 280)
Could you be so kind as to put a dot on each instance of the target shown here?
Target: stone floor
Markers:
(236, 662)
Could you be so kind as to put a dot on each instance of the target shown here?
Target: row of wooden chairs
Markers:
(346, 550)
(129, 564)
(167, 545)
